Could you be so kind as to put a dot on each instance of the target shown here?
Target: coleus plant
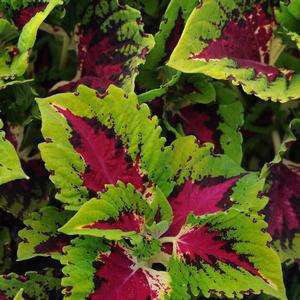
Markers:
(132, 180)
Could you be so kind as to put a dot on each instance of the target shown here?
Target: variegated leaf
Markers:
(40, 237)
(111, 46)
(109, 270)
(232, 40)
(123, 213)
(92, 141)
(225, 255)
(282, 188)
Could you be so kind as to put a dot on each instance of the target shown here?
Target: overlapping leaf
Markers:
(121, 212)
(14, 62)
(189, 161)
(112, 44)
(150, 207)
(203, 199)
(91, 142)
(222, 255)
(10, 167)
(42, 285)
(232, 40)
(109, 270)
(214, 194)
(40, 237)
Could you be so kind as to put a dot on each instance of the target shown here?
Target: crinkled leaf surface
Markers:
(187, 160)
(214, 194)
(112, 44)
(108, 270)
(120, 212)
(222, 255)
(42, 285)
(231, 40)
(92, 141)
(10, 167)
(40, 237)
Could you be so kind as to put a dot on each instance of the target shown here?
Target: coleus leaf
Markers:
(288, 17)
(166, 39)
(231, 40)
(40, 236)
(109, 271)
(5, 241)
(215, 123)
(121, 212)
(208, 196)
(283, 209)
(22, 196)
(226, 255)
(14, 64)
(112, 44)
(92, 141)
(42, 285)
(189, 161)
(214, 194)
(10, 167)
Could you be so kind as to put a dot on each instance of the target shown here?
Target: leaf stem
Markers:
(64, 52)
(168, 239)
(276, 141)
(276, 48)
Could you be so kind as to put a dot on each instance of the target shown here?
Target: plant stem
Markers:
(276, 141)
